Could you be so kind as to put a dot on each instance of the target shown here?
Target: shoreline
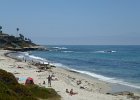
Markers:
(93, 75)
(113, 87)
(126, 86)
(90, 86)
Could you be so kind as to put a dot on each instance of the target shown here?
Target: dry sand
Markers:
(89, 89)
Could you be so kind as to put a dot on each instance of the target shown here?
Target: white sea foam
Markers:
(24, 53)
(99, 51)
(60, 48)
(21, 56)
(100, 77)
(63, 48)
(35, 57)
(41, 60)
(108, 51)
(114, 51)
(60, 65)
(67, 51)
(107, 79)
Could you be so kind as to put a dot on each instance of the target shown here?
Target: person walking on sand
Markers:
(49, 80)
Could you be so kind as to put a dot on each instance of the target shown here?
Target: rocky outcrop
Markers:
(16, 43)
(126, 93)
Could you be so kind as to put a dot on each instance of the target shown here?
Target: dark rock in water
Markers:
(52, 66)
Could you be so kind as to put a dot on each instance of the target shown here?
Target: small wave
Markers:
(99, 51)
(67, 51)
(100, 77)
(114, 51)
(21, 56)
(108, 51)
(41, 60)
(59, 65)
(24, 53)
(122, 82)
(63, 48)
(29, 57)
(107, 79)
(35, 57)
(60, 48)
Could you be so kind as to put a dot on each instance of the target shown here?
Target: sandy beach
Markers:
(87, 88)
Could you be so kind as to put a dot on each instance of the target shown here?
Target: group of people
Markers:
(50, 78)
(71, 92)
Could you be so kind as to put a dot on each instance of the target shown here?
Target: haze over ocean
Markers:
(84, 22)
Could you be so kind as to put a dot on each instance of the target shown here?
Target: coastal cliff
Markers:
(19, 43)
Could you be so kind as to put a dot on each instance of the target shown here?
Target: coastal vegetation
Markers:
(10, 89)
(18, 42)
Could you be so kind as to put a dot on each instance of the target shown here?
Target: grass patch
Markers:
(10, 89)
(6, 93)
(44, 93)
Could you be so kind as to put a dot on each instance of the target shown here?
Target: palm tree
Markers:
(0, 29)
(17, 31)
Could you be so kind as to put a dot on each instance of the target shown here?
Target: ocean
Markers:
(115, 64)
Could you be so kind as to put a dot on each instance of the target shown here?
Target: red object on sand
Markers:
(29, 80)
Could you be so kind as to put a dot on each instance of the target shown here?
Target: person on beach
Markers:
(78, 82)
(49, 80)
(72, 93)
(43, 82)
(67, 91)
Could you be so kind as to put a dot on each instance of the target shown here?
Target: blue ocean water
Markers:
(116, 64)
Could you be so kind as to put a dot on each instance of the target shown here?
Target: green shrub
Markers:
(44, 93)
(6, 93)
(7, 78)
(21, 90)
(10, 89)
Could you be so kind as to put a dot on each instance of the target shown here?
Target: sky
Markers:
(73, 22)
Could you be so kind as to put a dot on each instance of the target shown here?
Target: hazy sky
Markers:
(92, 22)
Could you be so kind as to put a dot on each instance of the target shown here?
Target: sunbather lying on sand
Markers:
(78, 82)
(72, 93)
